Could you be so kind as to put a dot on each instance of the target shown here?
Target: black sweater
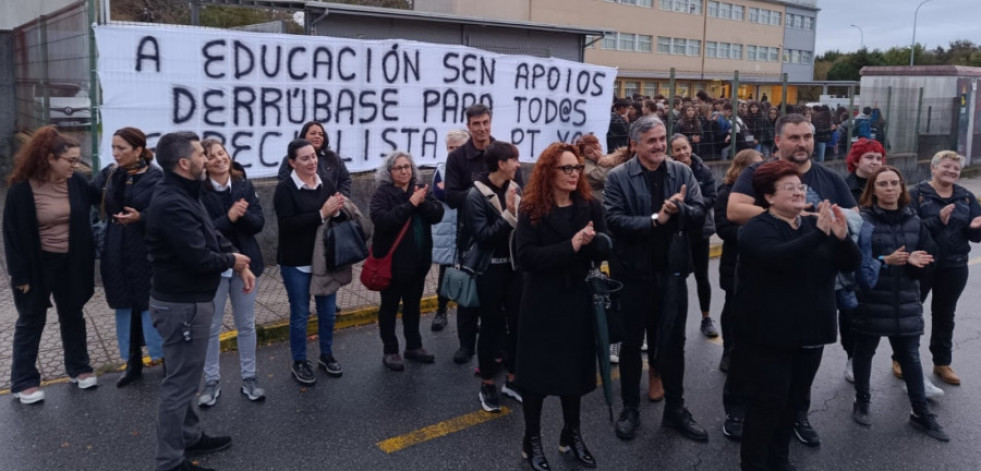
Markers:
(298, 212)
(187, 254)
(786, 282)
(240, 233)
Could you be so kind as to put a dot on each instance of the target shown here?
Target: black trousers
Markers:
(641, 304)
(779, 378)
(735, 391)
(410, 293)
(700, 261)
(532, 404)
(499, 291)
(30, 324)
(845, 330)
(906, 350)
(947, 285)
(441, 301)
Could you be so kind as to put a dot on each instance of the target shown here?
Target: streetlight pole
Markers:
(912, 46)
(862, 33)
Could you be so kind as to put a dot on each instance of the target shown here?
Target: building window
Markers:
(629, 89)
(726, 11)
(650, 88)
(713, 9)
(710, 47)
(644, 43)
(639, 3)
(796, 56)
(800, 22)
(809, 23)
(764, 17)
(775, 18)
(736, 51)
(737, 12)
(694, 48)
(663, 45)
(679, 46)
(806, 57)
(692, 7)
(774, 54)
(627, 42)
(751, 53)
(723, 51)
(754, 15)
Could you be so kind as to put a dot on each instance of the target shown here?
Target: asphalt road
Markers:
(428, 417)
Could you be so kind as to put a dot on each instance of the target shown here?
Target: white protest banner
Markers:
(254, 91)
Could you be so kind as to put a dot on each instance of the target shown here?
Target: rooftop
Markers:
(921, 70)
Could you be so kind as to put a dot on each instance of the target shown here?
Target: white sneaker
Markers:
(30, 398)
(849, 371)
(85, 383)
(615, 353)
(643, 346)
(931, 390)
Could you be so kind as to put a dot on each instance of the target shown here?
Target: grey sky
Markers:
(889, 23)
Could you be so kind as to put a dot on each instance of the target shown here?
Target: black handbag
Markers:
(344, 244)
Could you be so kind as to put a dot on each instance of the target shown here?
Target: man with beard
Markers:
(188, 257)
(794, 140)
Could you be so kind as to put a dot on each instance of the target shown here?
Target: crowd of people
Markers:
(806, 253)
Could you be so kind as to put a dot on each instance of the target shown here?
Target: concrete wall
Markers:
(14, 13)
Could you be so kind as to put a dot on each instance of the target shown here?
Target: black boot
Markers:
(571, 439)
(531, 450)
(134, 370)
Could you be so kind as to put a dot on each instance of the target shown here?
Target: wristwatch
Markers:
(654, 219)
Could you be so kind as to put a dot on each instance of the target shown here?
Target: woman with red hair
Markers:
(47, 238)
(561, 233)
(866, 156)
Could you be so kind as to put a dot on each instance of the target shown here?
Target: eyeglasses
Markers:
(401, 168)
(568, 169)
(792, 187)
(74, 160)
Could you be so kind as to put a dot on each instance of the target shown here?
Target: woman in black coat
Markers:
(901, 250)
(128, 187)
(953, 216)
(490, 216)
(557, 242)
(400, 200)
(330, 166)
(785, 306)
(47, 239)
(232, 203)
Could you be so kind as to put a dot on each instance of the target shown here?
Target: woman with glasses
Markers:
(400, 201)
(303, 202)
(232, 204)
(490, 215)
(561, 234)
(786, 306)
(953, 216)
(47, 239)
(890, 307)
(330, 166)
(127, 188)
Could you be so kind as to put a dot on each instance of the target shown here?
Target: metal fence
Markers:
(53, 69)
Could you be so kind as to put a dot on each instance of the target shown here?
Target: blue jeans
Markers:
(154, 344)
(297, 286)
(819, 148)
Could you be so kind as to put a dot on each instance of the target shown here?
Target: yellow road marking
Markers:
(441, 429)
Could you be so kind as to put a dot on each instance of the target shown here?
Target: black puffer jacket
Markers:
(706, 182)
(951, 239)
(125, 268)
(893, 306)
(729, 232)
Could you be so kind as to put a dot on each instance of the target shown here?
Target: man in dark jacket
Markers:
(617, 135)
(188, 257)
(648, 201)
(464, 166)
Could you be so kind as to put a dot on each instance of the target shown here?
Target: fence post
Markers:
(916, 131)
(783, 96)
(93, 88)
(42, 32)
(671, 103)
(851, 118)
(886, 122)
(735, 115)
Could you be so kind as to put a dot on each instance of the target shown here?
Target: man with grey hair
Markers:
(187, 256)
(650, 202)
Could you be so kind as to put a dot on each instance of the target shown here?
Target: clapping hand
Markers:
(418, 195)
(897, 258)
(839, 226)
(238, 210)
(127, 216)
(583, 237)
(511, 199)
(332, 205)
(945, 213)
(976, 223)
(825, 217)
(671, 206)
(920, 259)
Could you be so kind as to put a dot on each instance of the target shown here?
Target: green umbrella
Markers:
(600, 287)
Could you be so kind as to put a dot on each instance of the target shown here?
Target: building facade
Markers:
(705, 41)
